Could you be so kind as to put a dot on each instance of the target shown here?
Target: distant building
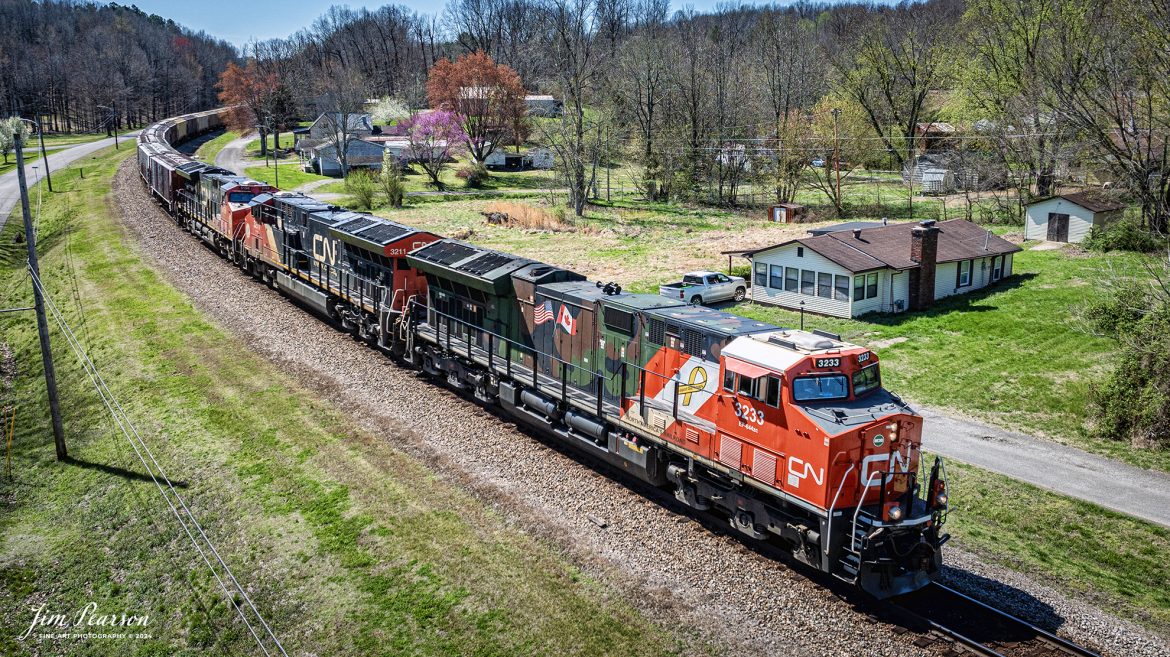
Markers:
(322, 158)
(536, 158)
(328, 124)
(1069, 217)
(905, 266)
(544, 106)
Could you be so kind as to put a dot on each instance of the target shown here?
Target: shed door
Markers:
(1057, 227)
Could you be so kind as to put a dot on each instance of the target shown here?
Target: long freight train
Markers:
(788, 434)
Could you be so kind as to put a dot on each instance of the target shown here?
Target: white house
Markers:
(890, 268)
(542, 105)
(329, 123)
(361, 154)
(1069, 217)
(536, 158)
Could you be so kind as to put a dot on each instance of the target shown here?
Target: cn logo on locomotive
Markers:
(325, 250)
(799, 470)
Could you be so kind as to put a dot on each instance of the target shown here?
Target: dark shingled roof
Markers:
(1093, 202)
(889, 246)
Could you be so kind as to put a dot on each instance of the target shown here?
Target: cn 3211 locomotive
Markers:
(788, 434)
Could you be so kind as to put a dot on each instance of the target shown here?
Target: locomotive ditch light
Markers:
(894, 512)
(941, 499)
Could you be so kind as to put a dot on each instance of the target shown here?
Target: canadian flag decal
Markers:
(566, 321)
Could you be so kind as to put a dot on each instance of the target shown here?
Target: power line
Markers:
(156, 473)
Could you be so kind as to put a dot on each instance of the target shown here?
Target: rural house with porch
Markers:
(906, 266)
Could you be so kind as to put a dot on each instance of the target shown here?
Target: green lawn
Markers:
(52, 140)
(31, 155)
(1111, 559)
(211, 148)
(349, 546)
(291, 174)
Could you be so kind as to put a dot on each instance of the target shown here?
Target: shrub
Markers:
(390, 180)
(1125, 235)
(474, 175)
(361, 186)
(520, 215)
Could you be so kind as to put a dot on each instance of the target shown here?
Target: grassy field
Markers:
(349, 546)
(1109, 558)
(31, 155)
(291, 174)
(210, 149)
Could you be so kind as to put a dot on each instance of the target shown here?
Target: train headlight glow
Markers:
(941, 499)
(892, 431)
(895, 513)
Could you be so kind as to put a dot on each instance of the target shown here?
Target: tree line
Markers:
(1039, 92)
(83, 67)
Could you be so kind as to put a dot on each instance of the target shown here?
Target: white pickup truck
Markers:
(699, 287)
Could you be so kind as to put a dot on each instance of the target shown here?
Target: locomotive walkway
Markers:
(1066, 470)
(58, 159)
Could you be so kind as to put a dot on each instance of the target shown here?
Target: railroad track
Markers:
(974, 627)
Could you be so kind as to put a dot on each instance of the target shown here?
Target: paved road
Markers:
(1066, 470)
(232, 155)
(10, 189)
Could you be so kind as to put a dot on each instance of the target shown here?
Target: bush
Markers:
(1125, 235)
(474, 175)
(390, 180)
(360, 185)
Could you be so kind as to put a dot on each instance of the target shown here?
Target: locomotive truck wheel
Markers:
(740, 293)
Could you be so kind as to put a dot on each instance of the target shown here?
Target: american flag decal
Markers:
(543, 313)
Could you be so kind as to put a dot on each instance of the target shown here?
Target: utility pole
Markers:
(608, 160)
(114, 120)
(837, 155)
(30, 240)
(44, 157)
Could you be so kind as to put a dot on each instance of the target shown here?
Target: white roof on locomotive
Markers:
(780, 350)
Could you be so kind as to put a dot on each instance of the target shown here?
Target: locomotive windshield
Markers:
(820, 388)
(866, 379)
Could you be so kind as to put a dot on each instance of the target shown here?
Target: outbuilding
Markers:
(1069, 217)
(893, 268)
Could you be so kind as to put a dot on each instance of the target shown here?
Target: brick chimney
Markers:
(924, 251)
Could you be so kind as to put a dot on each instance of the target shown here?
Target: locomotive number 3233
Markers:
(828, 362)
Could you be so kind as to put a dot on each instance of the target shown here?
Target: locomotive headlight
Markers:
(941, 499)
(892, 431)
(895, 513)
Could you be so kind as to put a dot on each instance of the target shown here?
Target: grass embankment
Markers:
(291, 174)
(211, 148)
(31, 154)
(1111, 559)
(348, 546)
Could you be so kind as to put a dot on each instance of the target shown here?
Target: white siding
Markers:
(981, 268)
(811, 261)
(1080, 220)
(899, 291)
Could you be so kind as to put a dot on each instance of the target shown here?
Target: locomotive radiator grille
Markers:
(730, 451)
(764, 467)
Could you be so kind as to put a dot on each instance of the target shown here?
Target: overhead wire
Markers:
(139, 445)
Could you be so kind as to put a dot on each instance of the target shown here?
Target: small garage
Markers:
(1069, 217)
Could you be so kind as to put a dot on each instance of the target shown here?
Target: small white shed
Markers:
(1069, 217)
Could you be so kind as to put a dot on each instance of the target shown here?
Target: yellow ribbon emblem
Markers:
(697, 383)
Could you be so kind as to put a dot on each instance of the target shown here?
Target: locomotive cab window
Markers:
(772, 396)
(820, 388)
(240, 197)
(866, 379)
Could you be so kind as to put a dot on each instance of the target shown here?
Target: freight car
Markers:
(788, 434)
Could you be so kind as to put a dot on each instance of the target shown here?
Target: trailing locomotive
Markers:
(788, 434)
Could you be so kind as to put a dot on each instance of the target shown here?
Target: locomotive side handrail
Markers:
(860, 503)
(833, 506)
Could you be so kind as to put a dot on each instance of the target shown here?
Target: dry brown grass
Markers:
(522, 215)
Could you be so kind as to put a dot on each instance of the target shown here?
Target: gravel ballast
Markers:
(666, 564)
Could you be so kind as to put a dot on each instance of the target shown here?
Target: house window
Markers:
(871, 286)
(841, 289)
(791, 279)
(964, 273)
(808, 282)
(825, 285)
(859, 288)
(761, 274)
(800, 252)
(997, 268)
(776, 281)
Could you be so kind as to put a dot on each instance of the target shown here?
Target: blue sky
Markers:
(240, 21)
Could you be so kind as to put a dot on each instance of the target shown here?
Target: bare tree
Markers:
(341, 100)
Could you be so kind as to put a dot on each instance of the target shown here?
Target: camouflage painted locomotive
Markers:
(789, 434)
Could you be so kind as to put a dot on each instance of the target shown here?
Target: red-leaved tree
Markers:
(488, 97)
(247, 91)
(435, 139)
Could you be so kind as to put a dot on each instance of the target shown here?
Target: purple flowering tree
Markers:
(436, 138)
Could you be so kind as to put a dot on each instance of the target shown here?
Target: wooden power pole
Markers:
(30, 239)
